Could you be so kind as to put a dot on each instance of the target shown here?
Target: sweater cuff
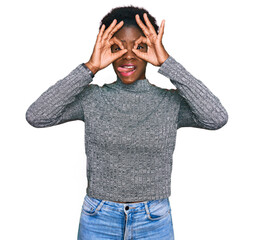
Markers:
(87, 69)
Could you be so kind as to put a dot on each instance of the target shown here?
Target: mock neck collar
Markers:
(142, 85)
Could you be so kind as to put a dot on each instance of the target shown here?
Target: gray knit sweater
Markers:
(130, 130)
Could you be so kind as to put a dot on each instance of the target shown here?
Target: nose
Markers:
(129, 54)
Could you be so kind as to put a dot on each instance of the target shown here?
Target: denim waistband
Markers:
(121, 206)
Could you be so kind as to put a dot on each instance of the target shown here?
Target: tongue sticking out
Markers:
(124, 69)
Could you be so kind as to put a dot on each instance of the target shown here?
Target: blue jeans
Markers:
(148, 220)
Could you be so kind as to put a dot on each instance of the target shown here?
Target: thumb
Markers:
(119, 54)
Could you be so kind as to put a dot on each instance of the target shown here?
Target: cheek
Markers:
(114, 67)
(144, 65)
(114, 64)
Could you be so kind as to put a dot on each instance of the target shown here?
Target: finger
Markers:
(142, 25)
(118, 54)
(116, 28)
(161, 31)
(141, 39)
(148, 23)
(100, 32)
(109, 29)
(140, 54)
(116, 41)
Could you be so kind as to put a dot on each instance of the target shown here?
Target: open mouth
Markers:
(127, 69)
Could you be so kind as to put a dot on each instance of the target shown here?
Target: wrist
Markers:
(164, 58)
(92, 68)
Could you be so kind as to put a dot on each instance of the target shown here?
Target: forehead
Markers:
(129, 33)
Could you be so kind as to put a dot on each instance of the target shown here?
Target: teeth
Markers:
(128, 66)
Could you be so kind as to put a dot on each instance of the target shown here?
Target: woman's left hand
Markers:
(156, 53)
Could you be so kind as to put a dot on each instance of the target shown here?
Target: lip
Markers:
(126, 74)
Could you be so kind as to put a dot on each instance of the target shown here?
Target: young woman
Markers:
(130, 126)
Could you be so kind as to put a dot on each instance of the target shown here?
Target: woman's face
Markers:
(137, 66)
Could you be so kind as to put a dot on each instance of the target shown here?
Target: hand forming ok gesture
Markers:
(156, 53)
(102, 55)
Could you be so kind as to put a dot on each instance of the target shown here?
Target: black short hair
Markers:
(127, 14)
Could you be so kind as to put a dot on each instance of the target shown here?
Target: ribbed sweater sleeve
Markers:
(199, 107)
(60, 103)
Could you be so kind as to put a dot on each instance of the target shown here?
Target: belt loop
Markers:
(100, 205)
(147, 208)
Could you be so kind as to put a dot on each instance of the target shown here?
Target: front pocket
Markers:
(89, 208)
(159, 210)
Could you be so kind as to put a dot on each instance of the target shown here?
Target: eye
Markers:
(117, 48)
(139, 47)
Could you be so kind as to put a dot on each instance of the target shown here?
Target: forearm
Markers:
(206, 107)
(50, 106)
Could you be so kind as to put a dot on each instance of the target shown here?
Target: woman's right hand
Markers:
(102, 55)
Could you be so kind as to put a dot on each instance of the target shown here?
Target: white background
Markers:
(43, 171)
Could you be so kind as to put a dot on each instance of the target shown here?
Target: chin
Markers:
(128, 80)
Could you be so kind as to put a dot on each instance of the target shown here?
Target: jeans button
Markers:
(127, 208)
